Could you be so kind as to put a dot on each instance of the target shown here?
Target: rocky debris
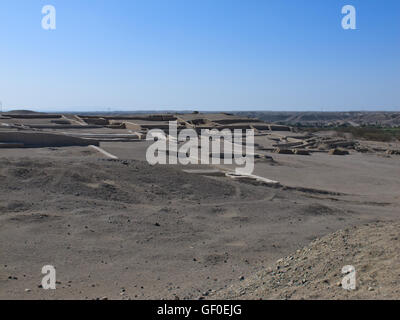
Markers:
(283, 151)
(304, 145)
(302, 152)
(343, 144)
(362, 149)
(393, 152)
(314, 272)
(338, 152)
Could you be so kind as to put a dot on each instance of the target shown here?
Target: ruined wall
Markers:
(40, 139)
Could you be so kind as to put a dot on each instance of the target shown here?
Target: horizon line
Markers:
(202, 110)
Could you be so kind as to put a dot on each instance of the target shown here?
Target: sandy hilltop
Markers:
(77, 193)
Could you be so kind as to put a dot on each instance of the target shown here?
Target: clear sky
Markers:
(200, 55)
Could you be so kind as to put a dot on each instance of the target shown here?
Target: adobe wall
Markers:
(41, 139)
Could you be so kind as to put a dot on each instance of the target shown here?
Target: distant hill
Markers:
(22, 112)
(318, 119)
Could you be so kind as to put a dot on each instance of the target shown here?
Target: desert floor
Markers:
(122, 229)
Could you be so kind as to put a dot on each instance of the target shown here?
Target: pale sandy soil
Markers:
(126, 230)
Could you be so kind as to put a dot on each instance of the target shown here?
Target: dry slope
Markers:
(315, 271)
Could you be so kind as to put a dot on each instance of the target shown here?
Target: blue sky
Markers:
(200, 54)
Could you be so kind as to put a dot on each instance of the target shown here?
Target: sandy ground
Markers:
(127, 230)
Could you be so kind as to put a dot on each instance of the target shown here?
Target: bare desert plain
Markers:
(77, 193)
